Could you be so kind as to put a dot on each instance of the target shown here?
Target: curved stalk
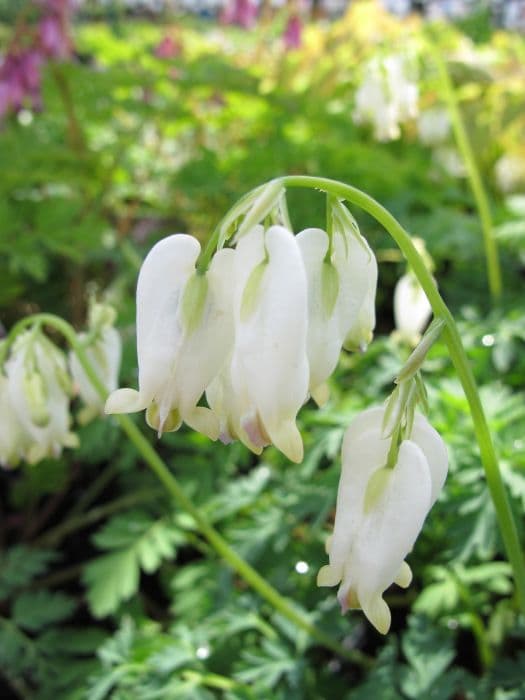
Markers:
(473, 173)
(282, 605)
(458, 356)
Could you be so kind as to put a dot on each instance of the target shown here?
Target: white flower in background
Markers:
(104, 354)
(14, 441)
(380, 511)
(449, 159)
(412, 310)
(387, 97)
(433, 126)
(39, 388)
(510, 172)
(184, 335)
(260, 392)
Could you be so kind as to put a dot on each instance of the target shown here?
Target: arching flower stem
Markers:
(458, 356)
(281, 604)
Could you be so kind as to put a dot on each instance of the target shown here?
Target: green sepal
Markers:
(193, 301)
(376, 487)
(252, 290)
(329, 288)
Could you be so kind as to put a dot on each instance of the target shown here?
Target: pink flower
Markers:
(241, 12)
(167, 48)
(20, 80)
(292, 33)
(53, 37)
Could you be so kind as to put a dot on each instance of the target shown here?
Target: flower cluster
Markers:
(382, 504)
(37, 384)
(257, 333)
(20, 70)
(387, 96)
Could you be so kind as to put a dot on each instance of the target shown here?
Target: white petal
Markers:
(434, 449)
(324, 340)
(357, 268)
(412, 309)
(163, 276)
(269, 359)
(125, 401)
(387, 534)
(205, 349)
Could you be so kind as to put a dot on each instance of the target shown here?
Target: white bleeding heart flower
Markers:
(14, 440)
(356, 265)
(39, 388)
(341, 297)
(387, 96)
(324, 338)
(104, 355)
(380, 511)
(412, 309)
(268, 372)
(184, 335)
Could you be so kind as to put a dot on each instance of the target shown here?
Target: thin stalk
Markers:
(458, 356)
(281, 604)
(473, 173)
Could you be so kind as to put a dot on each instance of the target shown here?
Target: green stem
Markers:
(457, 354)
(159, 467)
(473, 173)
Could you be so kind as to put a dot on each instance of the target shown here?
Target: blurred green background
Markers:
(106, 590)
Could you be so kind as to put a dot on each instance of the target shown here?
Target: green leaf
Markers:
(20, 565)
(34, 610)
(111, 579)
(429, 651)
(136, 541)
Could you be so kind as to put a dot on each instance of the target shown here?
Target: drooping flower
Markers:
(241, 12)
(293, 32)
(356, 265)
(167, 48)
(184, 335)
(387, 97)
(13, 439)
(258, 396)
(412, 309)
(341, 297)
(380, 511)
(104, 353)
(39, 387)
(433, 126)
(509, 171)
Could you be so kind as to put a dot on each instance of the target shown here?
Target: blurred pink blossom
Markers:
(53, 37)
(167, 48)
(20, 80)
(241, 12)
(292, 33)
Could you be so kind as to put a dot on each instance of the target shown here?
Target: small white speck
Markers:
(334, 665)
(488, 340)
(203, 652)
(452, 624)
(518, 444)
(302, 567)
(25, 117)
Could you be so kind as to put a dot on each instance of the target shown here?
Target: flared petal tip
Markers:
(287, 438)
(328, 576)
(378, 612)
(124, 401)
(320, 394)
(404, 576)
